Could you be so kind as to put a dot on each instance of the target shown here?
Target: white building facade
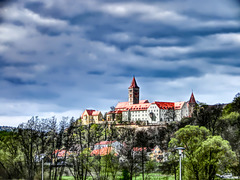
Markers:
(136, 112)
(160, 112)
(154, 113)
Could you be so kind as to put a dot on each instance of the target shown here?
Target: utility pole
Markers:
(42, 157)
(180, 150)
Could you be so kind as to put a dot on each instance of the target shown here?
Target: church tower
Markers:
(191, 103)
(133, 93)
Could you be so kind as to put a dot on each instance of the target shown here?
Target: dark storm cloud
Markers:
(5, 2)
(18, 81)
(96, 72)
(215, 54)
(180, 72)
(37, 6)
(74, 55)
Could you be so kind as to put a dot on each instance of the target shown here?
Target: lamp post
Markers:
(42, 157)
(180, 150)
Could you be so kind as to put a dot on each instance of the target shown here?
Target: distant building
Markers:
(158, 155)
(60, 154)
(136, 110)
(91, 116)
(106, 147)
(103, 152)
(167, 111)
(114, 116)
(139, 149)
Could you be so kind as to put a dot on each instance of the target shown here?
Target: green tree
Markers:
(216, 155)
(231, 128)
(30, 146)
(170, 166)
(231, 132)
(119, 118)
(129, 159)
(142, 141)
(170, 115)
(150, 166)
(236, 103)
(205, 154)
(80, 151)
(11, 158)
(208, 116)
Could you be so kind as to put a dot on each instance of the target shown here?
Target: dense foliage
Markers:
(205, 155)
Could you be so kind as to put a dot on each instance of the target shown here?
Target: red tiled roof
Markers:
(133, 84)
(192, 99)
(95, 113)
(136, 149)
(111, 112)
(178, 105)
(165, 105)
(121, 105)
(102, 152)
(115, 112)
(143, 101)
(61, 153)
(89, 112)
(124, 105)
(137, 107)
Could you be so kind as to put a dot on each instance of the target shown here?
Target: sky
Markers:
(58, 58)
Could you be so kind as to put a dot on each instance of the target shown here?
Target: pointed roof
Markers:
(134, 83)
(90, 111)
(192, 99)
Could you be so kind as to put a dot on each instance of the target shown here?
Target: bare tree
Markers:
(29, 145)
(128, 157)
(142, 141)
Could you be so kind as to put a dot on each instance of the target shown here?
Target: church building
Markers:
(136, 110)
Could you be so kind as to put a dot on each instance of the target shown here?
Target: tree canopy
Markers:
(204, 154)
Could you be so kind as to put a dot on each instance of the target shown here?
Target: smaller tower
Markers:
(133, 93)
(191, 103)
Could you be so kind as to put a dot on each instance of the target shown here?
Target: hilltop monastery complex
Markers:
(135, 110)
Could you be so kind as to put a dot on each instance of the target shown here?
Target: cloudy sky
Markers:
(61, 57)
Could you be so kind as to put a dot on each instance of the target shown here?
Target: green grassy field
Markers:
(152, 176)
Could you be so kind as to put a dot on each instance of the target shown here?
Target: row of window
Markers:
(139, 115)
(140, 119)
(138, 112)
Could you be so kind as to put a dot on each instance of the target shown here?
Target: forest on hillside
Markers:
(211, 139)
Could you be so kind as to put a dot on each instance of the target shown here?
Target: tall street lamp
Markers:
(42, 157)
(180, 150)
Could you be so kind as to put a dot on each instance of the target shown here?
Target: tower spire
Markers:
(192, 103)
(192, 99)
(133, 92)
(134, 83)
